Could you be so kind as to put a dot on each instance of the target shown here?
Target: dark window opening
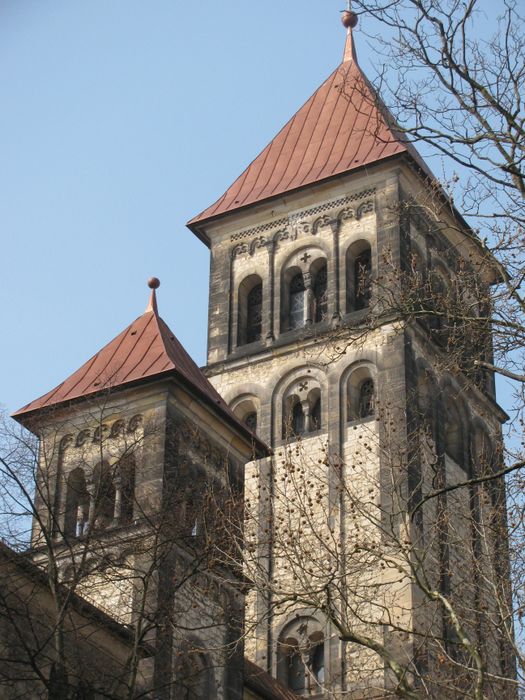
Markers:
(298, 421)
(301, 667)
(127, 474)
(251, 421)
(315, 415)
(297, 299)
(193, 676)
(77, 504)
(296, 679)
(321, 294)
(317, 663)
(104, 495)
(366, 399)
(362, 280)
(254, 314)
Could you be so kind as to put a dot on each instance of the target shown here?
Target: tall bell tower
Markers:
(304, 350)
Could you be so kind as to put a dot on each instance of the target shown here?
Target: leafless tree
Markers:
(97, 551)
(426, 598)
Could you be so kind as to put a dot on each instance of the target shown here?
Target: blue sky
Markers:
(121, 120)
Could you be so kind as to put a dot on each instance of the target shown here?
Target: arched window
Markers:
(77, 504)
(362, 279)
(361, 398)
(366, 398)
(315, 415)
(193, 675)
(296, 306)
(127, 481)
(104, 495)
(302, 408)
(453, 433)
(246, 409)
(483, 454)
(300, 657)
(254, 314)
(250, 421)
(249, 328)
(358, 276)
(298, 418)
(295, 669)
(316, 659)
(321, 294)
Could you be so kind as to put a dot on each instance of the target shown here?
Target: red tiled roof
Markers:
(145, 349)
(343, 126)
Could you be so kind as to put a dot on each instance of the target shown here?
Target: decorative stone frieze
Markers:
(296, 220)
(298, 226)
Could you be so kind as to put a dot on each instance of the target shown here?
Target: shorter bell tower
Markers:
(138, 507)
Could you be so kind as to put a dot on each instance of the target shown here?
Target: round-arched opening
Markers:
(250, 301)
(361, 395)
(319, 273)
(358, 276)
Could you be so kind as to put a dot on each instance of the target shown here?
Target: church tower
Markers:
(315, 344)
(138, 455)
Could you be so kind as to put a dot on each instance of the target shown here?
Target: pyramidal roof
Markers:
(342, 127)
(146, 349)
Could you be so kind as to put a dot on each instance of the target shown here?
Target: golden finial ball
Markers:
(349, 19)
(153, 283)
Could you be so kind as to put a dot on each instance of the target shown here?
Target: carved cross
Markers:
(305, 258)
(303, 386)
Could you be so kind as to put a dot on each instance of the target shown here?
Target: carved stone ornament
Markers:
(117, 429)
(103, 431)
(65, 442)
(191, 437)
(322, 221)
(134, 423)
(299, 226)
(262, 242)
(82, 437)
(301, 216)
(100, 433)
(259, 242)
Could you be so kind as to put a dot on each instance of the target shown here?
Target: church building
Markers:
(255, 529)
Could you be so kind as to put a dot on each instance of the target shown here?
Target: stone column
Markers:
(91, 516)
(81, 519)
(308, 298)
(305, 405)
(334, 277)
(270, 293)
(117, 481)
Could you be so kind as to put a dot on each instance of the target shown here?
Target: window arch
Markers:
(361, 395)
(301, 657)
(77, 504)
(127, 486)
(298, 417)
(320, 291)
(250, 421)
(484, 456)
(104, 495)
(302, 414)
(246, 410)
(366, 405)
(315, 414)
(440, 293)
(453, 432)
(358, 276)
(296, 301)
(193, 674)
(250, 302)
